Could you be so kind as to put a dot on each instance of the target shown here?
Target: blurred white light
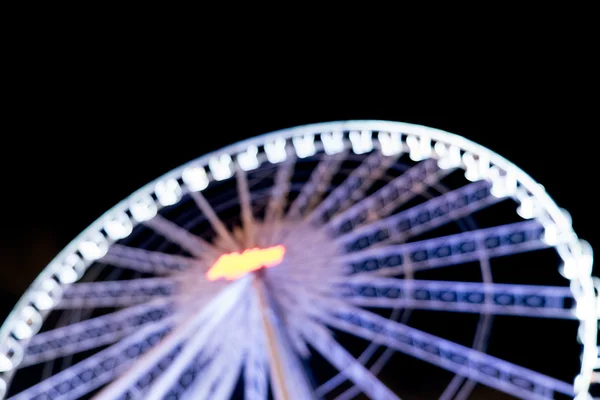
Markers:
(527, 208)
(390, 143)
(248, 160)
(71, 269)
(362, 142)
(5, 365)
(567, 215)
(195, 178)
(67, 276)
(498, 189)
(510, 183)
(94, 247)
(585, 309)
(441, 150)
(333, 142)
(118, 227)
(143, 208)
(2, 383)
(48, 295)
(11, 354)
(569, 268)
(580, 386)
(585, 258)
(22, 330)
(419, 148)
(471, 167)
(550, 234)
(90, 250)
(304, 145)
(42, 301)
(448, 156)
(168, 192)
(275, 151)
(30, 322)
(221, 167)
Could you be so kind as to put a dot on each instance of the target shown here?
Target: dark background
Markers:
(76, 150)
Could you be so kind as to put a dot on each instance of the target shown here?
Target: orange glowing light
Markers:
(235, 265)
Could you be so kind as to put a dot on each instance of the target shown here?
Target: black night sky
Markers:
(73, 153)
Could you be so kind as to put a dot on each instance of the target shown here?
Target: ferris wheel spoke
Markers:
(116, 293)
(313, 190)
(276, 204)
(460, 387)
(468, 385)
(471, 297)
(287, 375)
(95, 332)
(454, 387)
(246, 208)
(102, 367)
(209, 316)
(227, 381)
(222, 380)
(421, 218)
(189, 242)
(205, 327)
(219, 378)
(139, 388)
(195, 369)
(297, 307)
(319, 338)
(146, 261)
(364, 358)
(275, 332)
(214, 220)
(480, 367)
(256, 368)
(447, 250)
(353, 188)
(383, 202)
(280, 189)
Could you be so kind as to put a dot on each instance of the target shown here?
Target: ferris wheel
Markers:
(356, 259)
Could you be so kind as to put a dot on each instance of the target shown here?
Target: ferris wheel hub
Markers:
(234, 265)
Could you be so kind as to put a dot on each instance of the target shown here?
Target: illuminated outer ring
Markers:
(575, 253)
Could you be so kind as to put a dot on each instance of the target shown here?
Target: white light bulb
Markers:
(333, 142)
(248, 160)
(5, 365)
(390, 143)
(30, 322)
(195, 178)
(221, 167)
(362, 142)
(550, 235)
(42, 301)
(275, 151)
(93, 248)
(418, 149)
(118, 227)
(143, 209)
(304, 145)
(527, 208)
(167, 192)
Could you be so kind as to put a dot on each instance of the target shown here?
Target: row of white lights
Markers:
(196, 178)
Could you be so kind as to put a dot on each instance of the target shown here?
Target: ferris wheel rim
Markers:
(536, 190)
